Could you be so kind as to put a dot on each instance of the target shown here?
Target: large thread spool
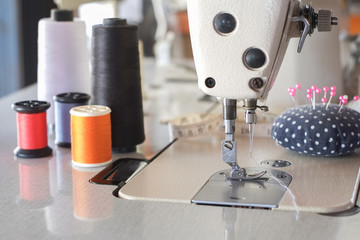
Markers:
(31, 129)
(91, 136)
(64, 102)
(63, 58)
(116, 80)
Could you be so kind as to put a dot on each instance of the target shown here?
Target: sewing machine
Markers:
(238, 49)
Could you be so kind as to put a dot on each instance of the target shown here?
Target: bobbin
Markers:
(29, 108)
(64, 102)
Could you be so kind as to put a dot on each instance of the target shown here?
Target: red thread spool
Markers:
(31, 129)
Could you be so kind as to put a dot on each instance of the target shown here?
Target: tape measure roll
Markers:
(91, 136)
(193, 125)
(197, 124)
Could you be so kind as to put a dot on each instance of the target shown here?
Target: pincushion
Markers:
(318, 131)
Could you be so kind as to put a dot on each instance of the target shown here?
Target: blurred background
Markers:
(163, 29)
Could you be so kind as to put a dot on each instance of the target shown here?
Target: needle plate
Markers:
(264, 192)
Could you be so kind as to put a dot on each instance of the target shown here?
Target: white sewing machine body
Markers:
(258, 24)
(223, 33)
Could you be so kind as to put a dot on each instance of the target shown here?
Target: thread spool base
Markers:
(127, 149)
(91, 165)
(34, 153)
(63, 144)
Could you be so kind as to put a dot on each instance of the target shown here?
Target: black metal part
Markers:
(119, 172)
(309, 13)
(62, 15)
(254, 58)
(210, 82)
(256, 83)
(321, 20)
(224, 23)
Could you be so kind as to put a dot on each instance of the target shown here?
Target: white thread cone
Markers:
(63, 60)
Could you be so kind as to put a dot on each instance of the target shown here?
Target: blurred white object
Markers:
(132, 10)
(70, 4)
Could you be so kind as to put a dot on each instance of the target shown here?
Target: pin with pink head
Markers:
(325, 89)
(356, 98)
(343, 101)
(341, 98)
(292, 92)
(332, 94)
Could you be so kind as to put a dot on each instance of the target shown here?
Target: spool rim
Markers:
(31, 106)
(72, 97)
(90, 111)
(33, 153)
(92, 165)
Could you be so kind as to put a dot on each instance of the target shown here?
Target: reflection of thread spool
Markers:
(63, 104)
(91, 135)
(31, 129)
(63, 62)
(34, 183)
(91, 202)
(116, 80)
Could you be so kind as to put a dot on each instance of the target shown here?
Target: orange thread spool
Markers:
(91, 136)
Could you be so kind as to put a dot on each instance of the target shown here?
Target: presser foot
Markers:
(258, 190)
(241, 175)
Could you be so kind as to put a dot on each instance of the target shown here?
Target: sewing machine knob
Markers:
(224, 23)
(326, 20)
(254, 58)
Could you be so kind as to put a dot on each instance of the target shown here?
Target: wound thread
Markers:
(31, 129)
(116, 80)
(91, 136)
(63, 58)
(63, 104)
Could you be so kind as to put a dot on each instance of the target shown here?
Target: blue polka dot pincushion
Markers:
(318, 131)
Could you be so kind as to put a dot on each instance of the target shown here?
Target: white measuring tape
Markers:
(197, 124)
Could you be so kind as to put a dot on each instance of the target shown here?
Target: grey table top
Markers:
(49, 199)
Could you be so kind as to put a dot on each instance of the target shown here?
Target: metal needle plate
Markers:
(265, 192)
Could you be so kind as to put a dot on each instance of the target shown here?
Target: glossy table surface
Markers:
(47, 198)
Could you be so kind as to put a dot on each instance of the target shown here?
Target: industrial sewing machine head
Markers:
(238, 48)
